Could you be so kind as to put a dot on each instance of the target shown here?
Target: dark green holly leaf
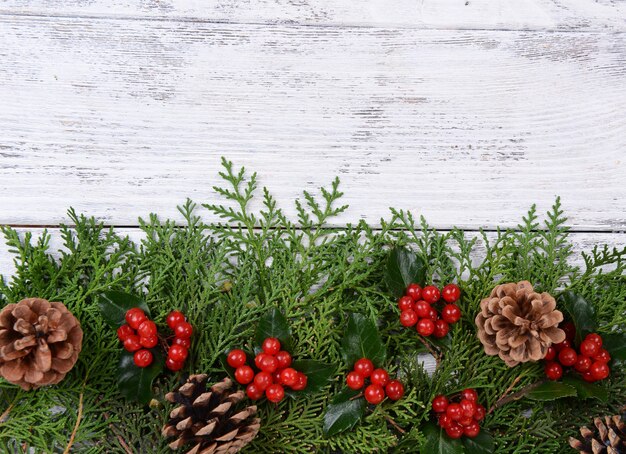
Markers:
(442, 342)
(404, 267)
(318, 375)
(362, 340)
(615, 343)
(273, 324)
(551, 390)
(437, 442)
(582, 313)
(586, 390)
(343, 412)
(135, 383)
(481, 444)
(113, 306)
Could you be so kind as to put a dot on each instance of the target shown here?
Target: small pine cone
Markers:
(39, 342)
(609, 437)
(518, 324)
(210, 420)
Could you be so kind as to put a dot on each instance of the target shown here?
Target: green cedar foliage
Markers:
(224, 276)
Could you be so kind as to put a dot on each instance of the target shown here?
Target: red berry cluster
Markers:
(417, 309)
(379, 386)
(178, 351)
(274, 372)
(591, 360)
(462, 417)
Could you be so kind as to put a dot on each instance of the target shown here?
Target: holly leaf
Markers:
(343, 412)
(404, 267)
(581, 311)
(135, 383)
(273, 324)
(586, 390)
(437, 442)
(362, 340)
(318, 375)
(113, 306)
(615, 344)
(551, 390)
(481, 444)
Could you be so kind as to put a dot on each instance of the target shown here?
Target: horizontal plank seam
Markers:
(391, 26)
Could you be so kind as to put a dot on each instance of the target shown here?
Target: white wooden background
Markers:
(466, 111)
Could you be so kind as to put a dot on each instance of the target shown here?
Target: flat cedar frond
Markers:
(223, 276)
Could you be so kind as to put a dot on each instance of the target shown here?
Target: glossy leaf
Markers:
(551, 390)
(403, 268)
(615, 343)
(581, 311)
(481, 444)
(586, 390)
(437, 442)
(343, 412)
(113, 306)
(362, 340)
(135, 383)
(318, 375)
(273, 324)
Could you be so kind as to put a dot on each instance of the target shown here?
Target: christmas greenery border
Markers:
(335, 291)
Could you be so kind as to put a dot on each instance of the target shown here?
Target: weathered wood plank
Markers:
(469, 128)
(465, 14)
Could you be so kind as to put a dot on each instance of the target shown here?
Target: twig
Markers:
(79, 416)
(118, 436)
(516, 395)
(5, 413)
(432, 351)
(356, 397)
(395, 424)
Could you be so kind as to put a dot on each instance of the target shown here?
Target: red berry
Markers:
(374, 394)
(480, 413)
(451, 293)
(422, 309)
(364, 367)
(441, 329)
(425, 327)
(394, 390)
(408, 318)
(588, 377)
(174, 318)
(603, 356)
(147, 328)
(288, 377)
(244, 374)
(276, 376)
(444, 420)
(379, 377)
(135, 317)
(262, 380)
(561, 345)
(440, 403)
(414, 291)
(124, 331)
(550, 354)
(183, 330)
(354, 380)
(470, 394)
(599, 370)
(468, 408)
(451, 313)
(301, 383)
(594, 338)
(149, 342)
(275, 393)
(431, 294)
(173, 365)
(142, 358)
(405, 303)
(432, 314)
(271, 345)
(284, 359)
(568, 356)
(454, 411)
(454, 430)
(268, 363)
(553, 370)
(570, 331)
(182, 342)
(466, 420)
(177, 353)
(589, 348)
(254, 392)
(258, 358)
(583, 363)
(472, 430)
(236, 358)
(132, 343)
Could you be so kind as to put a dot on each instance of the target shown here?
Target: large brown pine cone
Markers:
(518, 324)
(39, 342)
(608, 437)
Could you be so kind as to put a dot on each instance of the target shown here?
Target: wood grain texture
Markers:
(120, 118)
(598, 15)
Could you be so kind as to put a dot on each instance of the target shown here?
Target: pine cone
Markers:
(210, 420)
(39, 342)
(609, 437)
(518, 324)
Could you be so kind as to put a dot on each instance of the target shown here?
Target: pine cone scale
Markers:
(608, 437)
